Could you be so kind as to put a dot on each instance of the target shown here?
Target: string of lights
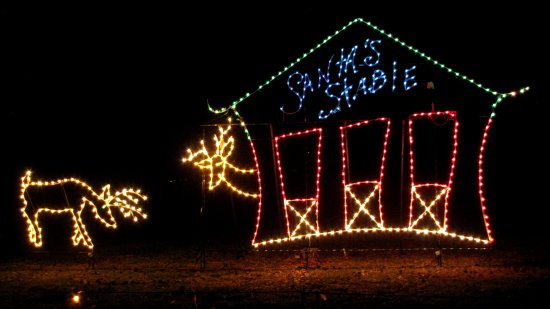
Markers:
(427, 212)
(309, 202)
(384, 33)
(443, 190)
(372, 230)
(126, 201)
(217, 161)
(366, 189)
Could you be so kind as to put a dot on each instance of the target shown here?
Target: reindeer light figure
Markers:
(126, 201)
(217, 161)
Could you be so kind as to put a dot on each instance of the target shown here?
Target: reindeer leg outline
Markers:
(35, 235)
(80, 233)
(31, 228)
(38, 239)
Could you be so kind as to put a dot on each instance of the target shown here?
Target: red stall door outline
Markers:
(364, 194)
(301, 213)
(429, 200)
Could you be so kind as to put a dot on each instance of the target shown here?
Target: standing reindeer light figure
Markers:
(217, 161)
(80, 197)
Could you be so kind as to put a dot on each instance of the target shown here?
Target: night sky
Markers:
(117, 93)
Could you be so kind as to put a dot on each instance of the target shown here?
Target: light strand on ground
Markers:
(372, 230)
(126, 201)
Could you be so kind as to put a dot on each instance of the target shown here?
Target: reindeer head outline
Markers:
(217, 161)
(126, 201)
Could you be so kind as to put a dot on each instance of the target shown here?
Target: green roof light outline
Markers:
(443, 67)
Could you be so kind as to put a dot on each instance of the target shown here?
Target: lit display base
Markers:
(377, 237)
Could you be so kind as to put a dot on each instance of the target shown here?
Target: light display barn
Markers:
(362, 133)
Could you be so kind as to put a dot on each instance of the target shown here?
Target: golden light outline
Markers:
(217, 162)
(126, 201)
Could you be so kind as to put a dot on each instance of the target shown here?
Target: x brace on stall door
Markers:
(427, 208)
(363, 205)
(302, 217)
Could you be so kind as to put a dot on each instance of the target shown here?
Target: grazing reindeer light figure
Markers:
(83, 196)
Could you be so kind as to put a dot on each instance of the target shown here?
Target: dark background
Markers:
(117, 93)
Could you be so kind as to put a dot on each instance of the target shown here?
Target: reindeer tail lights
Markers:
(73, 196)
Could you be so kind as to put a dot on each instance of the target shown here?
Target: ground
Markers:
(159, 277)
